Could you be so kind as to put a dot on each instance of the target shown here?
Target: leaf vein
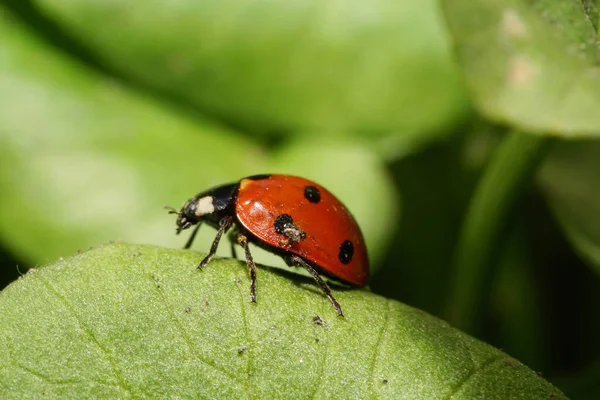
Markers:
(117, 373)
(378, 345)
(59, 382)
(473, 372)
(190, 342)
(247, 336)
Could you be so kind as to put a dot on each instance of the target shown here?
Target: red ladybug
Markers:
(287, 215)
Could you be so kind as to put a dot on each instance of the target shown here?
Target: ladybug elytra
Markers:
(289, 216)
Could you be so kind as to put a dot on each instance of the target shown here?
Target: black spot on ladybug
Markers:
(346, 252)
(259, 177)
(282, 222)
(312, 194)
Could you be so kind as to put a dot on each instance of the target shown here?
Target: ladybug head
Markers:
(193, 211)
(209, 206)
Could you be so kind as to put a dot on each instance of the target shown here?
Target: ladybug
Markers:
(289, 216)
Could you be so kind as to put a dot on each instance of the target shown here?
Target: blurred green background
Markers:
(463, 136)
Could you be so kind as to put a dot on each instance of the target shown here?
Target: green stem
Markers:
(507, 176)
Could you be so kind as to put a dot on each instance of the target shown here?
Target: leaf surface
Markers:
(140, 321)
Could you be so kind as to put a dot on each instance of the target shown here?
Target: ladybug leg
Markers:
(324, 287)
(188, 244)
(233, 241)
(243, 241)
(224, 224)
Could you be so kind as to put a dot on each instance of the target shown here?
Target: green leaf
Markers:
(281, 65)
(530, 64)
(141, 321)
(570, 182)
(85, 159)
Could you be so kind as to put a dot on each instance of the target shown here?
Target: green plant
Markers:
(461, 133)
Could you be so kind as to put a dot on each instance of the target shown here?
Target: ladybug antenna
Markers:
(172, 210)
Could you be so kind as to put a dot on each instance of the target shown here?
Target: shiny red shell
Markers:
(327, 223)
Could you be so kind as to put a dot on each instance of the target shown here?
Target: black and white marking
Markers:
(204, 206)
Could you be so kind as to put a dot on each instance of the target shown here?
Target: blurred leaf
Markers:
(84, 160)
(141, 321)
(591, 10)
(571, 183)
(435, 190)
(530, 64)
(278, 65)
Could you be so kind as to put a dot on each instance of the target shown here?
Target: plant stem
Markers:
(506, 177)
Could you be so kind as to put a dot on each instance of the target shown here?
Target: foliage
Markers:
(462, 134)
(141, 321)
